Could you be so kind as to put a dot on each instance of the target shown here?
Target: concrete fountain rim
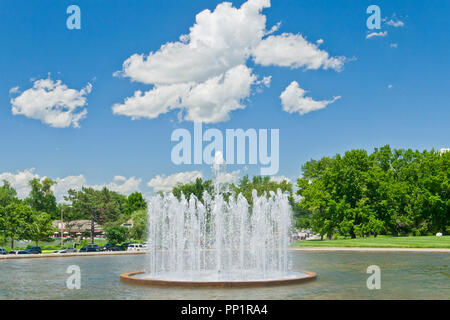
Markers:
(130, 279)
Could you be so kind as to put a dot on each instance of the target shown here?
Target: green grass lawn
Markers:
(381, 242)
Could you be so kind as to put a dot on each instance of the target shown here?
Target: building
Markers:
(77, 229)
(443, 150)
(128, 224)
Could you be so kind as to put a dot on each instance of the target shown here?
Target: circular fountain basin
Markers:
(205, 281)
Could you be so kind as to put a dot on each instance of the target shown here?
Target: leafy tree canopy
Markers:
(41, 197)
(387, 192)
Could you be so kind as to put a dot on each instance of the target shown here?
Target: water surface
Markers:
(341, 275)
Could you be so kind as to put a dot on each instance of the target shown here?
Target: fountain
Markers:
(218, 241)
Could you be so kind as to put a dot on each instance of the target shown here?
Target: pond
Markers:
(341, 275)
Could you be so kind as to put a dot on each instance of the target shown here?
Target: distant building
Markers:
(443, 150)
(77, 228)
(128, 224)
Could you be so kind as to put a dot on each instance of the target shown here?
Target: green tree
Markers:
(70, 213)
(394, 192)
(8, 194)
(41, 197)
(135, 202)
(196, 188)
(116, 234)
(139, 229)
(262, 185)
(100, 205)
(40, 228)
(15, 220)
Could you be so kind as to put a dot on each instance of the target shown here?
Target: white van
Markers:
(136, 247)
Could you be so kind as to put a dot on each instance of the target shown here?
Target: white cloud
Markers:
(213, 100)
(65, 184)
(20, 179)
(122, 185)
(394, 45)
(266, 81)
(390, 86)
(274, 29)
(53, 103)
(279, 179)
(205, 75)
(152, 103)
(377, 34)
(210, 101)
(166, 183)
(228, 177)
(293, 100)
(218, 41)
(395, 23)
(14, 90)
(292, 50)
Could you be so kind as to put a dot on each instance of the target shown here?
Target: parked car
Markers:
(90, 248)
(19, 252)
(124, 246)
(35, 250)
(106, 247)
(3, 251)
(110, 247)
(66, 250)
(136, 247)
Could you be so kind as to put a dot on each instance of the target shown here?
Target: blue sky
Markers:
(394, 89)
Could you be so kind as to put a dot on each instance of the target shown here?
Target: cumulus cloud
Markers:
(376, 34)
(166, 183)
(205, 73)
(214, 99)
(292, 50)
(152, 103)
(121, 184)
(218, 41)
(210, 101)
(70, 182)
(52, 102)
(228, 177)
(293, 99)
(20, 179)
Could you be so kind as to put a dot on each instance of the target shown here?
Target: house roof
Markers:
(78, 226)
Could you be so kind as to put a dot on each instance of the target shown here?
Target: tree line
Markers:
(31, 218)
(394, 192)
